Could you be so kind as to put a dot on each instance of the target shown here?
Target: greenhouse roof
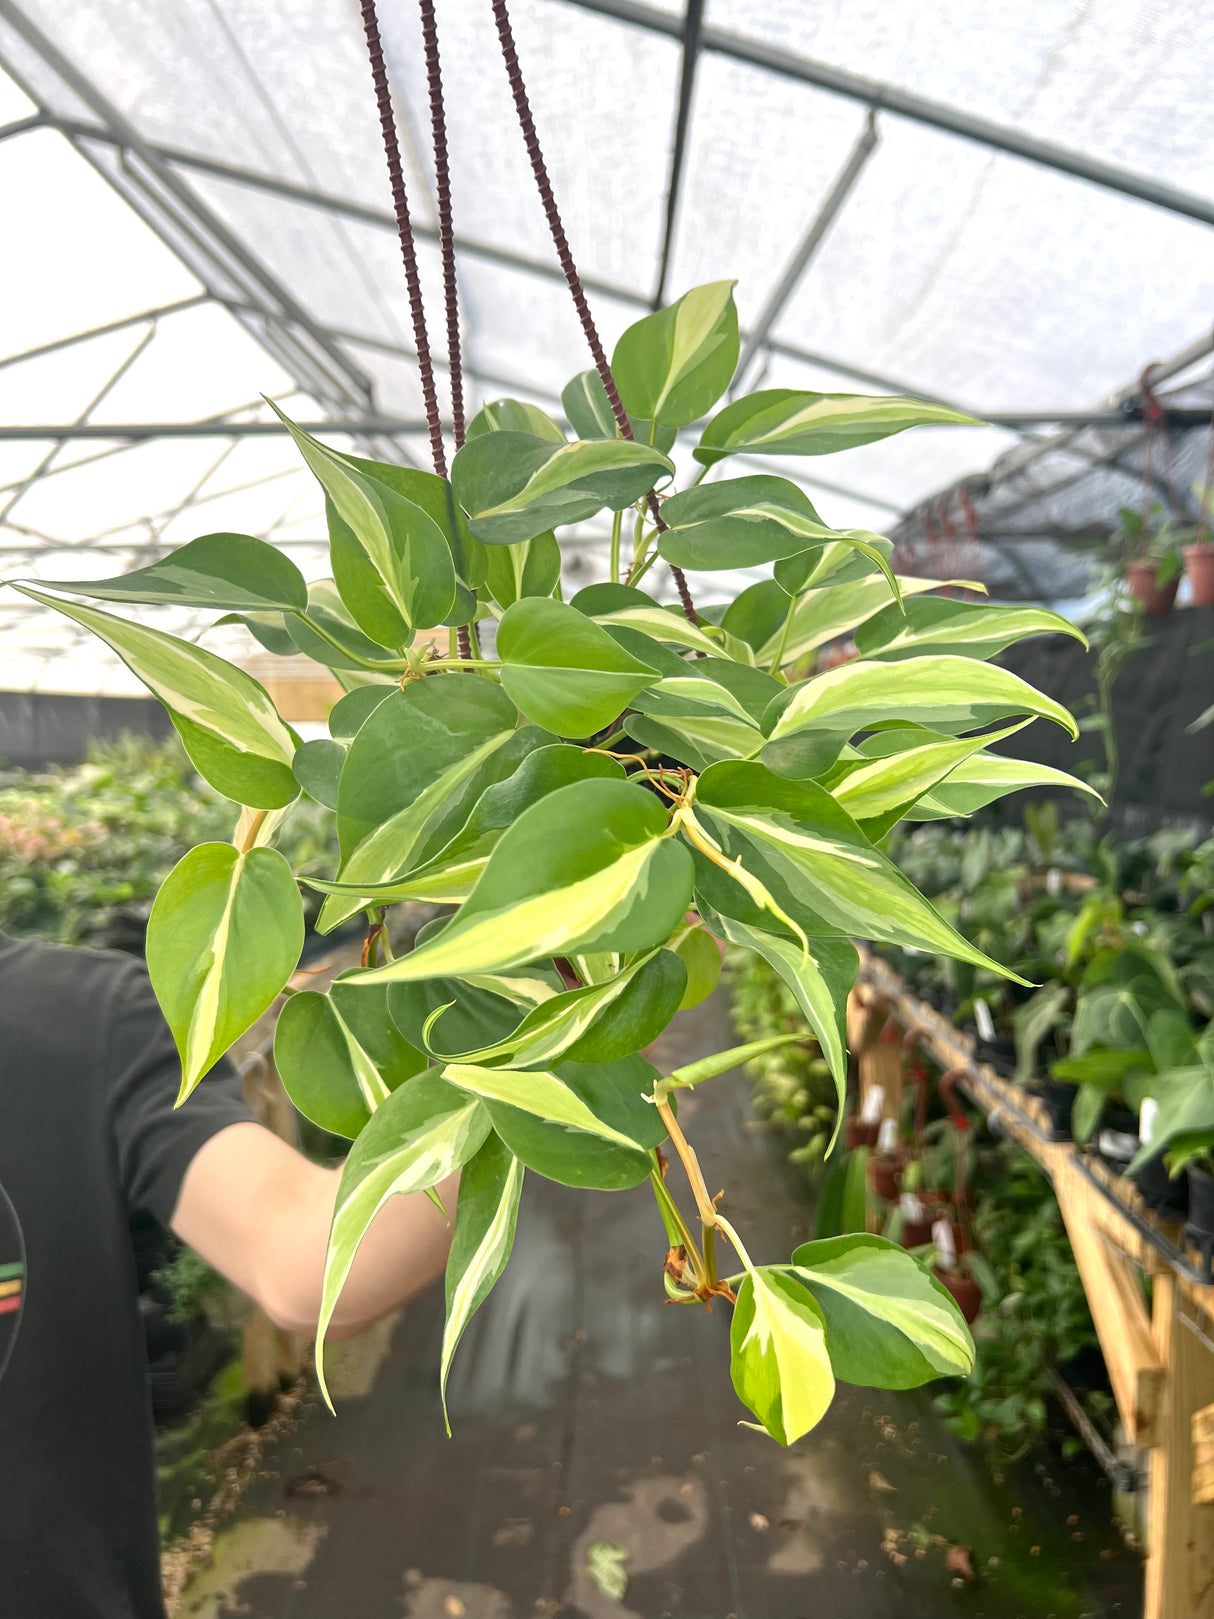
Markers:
(1007, 209)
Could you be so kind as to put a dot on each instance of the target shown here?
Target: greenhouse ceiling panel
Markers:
(1008, 209)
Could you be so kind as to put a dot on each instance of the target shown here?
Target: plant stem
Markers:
(617, 525)
(691, 1164)
(777, 662)
(392, 666)
(736, 1242)
(676, 1226)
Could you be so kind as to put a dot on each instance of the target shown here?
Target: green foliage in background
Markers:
(79, 843)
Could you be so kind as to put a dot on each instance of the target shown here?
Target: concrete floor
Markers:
(587, 1411)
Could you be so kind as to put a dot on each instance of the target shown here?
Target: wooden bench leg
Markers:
(1180, 1560)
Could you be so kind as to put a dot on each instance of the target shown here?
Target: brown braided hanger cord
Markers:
(446, 234)
(539, 169)
(404, 226)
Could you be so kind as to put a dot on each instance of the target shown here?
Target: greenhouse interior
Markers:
(606, 810)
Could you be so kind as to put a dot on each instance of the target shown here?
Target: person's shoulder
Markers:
(34, 970)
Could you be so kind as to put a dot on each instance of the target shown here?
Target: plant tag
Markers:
(911, 1206)
(887, 1137)
(984, 1020)
(874, 1101)
(1146, 1119)
(946, 1248)
(1053, 882)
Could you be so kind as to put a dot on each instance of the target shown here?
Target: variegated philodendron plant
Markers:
(599, 803)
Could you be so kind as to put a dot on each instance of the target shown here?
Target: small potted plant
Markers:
(1199, 553)
(1182, 1130)
(1153, 562)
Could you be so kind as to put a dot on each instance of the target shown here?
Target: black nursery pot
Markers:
(1059, 1098)
(1201, 1201)
(1159, 1191)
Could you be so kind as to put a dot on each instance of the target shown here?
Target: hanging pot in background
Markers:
(1142, 579)
(1199, 569)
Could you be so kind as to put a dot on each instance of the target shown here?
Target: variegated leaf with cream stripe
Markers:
(230, 728)
(489, 1191)
(788, 421)
(224, 936)
(590, 867)
(422, 1133)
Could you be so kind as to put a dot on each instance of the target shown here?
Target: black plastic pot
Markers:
(1116, 1137)
(1059, 1098)
(1201, 1201)
(1159, 1191)
(999, 1054)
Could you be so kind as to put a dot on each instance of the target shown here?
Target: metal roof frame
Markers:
(152, 178)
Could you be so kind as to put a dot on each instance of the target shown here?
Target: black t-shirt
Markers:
(88, 1137)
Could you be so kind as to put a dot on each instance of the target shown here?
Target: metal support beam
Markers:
(918, 109)
(110, 326)
(359, 427)
(693, 23)
(819, 226)
(179, 217)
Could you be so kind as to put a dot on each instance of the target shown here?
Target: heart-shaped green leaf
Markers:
(597, 1023)
(489, 1191)
(807, 849)
(820, 979)
(834, 563)
(789, 421)
(591, 416)
(827, 612)
(621, 605)
(514, 486)
(984, 777)
(450, 875)
(947, 693)
(743, 522)
(590, 867)
(435, 497)
(937, 624)
(318, 766)
(224, 936)
(778, 1359)
(412, 774)
(387, 552)
(421, 1134)
(514, 416)
(675, 364)
(563, 671)
(582, 1124)
(340, 1055)
(889, 1323)
(531, 568)
(698, 952)
(230, 728)
(351, 712)
(216, 570)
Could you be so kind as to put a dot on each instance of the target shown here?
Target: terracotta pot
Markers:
(1199, 567)
(917, 1233)
(885, 1177)
(1156, 602)
(859, 1134)
(965, 1290)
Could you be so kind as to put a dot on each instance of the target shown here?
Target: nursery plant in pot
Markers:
(1153, 566)
(1182, 1129)
(617, 767)
(1199, 553)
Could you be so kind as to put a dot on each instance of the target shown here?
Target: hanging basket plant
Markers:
(620, 787)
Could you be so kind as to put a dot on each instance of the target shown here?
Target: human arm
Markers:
(259, 1212)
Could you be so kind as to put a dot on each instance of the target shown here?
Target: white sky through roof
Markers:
(953, 270)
